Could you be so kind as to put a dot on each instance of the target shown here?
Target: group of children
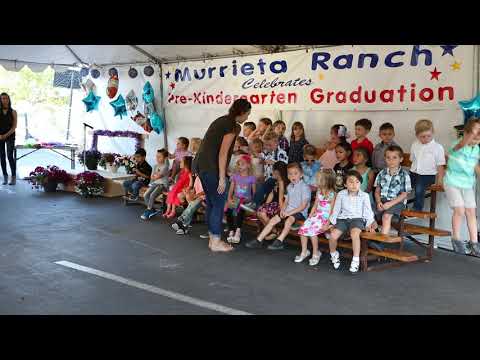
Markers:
(354, 184)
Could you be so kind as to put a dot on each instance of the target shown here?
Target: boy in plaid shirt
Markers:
(392, 187)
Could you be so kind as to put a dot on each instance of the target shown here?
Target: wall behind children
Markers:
(104, 119)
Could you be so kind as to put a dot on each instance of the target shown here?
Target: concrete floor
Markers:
(38, 229)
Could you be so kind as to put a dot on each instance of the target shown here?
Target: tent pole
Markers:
(70, 107)
(165, 137)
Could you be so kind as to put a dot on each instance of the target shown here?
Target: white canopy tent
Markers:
(186, 122)
(38, 57)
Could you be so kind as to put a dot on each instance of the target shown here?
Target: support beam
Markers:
(147, 54)
(75, 55)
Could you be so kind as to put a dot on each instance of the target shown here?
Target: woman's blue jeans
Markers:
(215, 202)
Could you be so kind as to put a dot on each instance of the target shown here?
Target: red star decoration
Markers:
(172, 85)
(435, 74)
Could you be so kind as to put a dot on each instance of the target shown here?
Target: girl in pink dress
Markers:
(184, 182)
(317, 222)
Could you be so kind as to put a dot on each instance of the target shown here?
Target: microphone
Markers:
(86, 125)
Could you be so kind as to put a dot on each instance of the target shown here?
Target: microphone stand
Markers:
(85, 144)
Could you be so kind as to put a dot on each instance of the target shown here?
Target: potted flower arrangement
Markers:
(109, 162)
(92, 158)
(89, 184)
(129, 163)
(49, 178)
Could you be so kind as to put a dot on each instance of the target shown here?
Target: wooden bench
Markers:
(366, 254)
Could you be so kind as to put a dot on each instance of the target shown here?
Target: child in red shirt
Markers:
(362, 128)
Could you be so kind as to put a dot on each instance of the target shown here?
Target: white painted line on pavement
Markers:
(154, 289)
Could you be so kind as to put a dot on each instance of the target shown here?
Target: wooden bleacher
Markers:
(394, 256)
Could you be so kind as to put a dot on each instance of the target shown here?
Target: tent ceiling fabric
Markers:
(38, 57)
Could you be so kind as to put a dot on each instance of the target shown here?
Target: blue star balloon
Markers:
(91, 101)
(156, 122)
(148, 93)
(119, 106)
(471, 108)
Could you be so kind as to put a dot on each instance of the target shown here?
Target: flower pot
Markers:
(50, 186)
(112, 168)
(91, 164)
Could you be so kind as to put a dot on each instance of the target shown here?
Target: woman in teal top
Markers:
(463, 161)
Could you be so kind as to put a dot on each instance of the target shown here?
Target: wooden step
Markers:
(380, 237)
(419, 214)
(417, 229)
(395, 254)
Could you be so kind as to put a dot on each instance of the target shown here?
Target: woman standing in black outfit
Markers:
(8, 124)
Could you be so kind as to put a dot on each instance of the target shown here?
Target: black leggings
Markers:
(235, 222)
(10, 142)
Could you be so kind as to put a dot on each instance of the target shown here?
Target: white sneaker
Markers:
(315, 259)
(236, 238)
(230, 237)
(335, 259)
(354, 267)
(300, 258)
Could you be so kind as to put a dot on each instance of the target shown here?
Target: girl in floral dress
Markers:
(275, 199)
(317, 222)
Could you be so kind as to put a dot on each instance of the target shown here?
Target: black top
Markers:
(6, 121)
(340, 175)
(146, 169)
(208, 154)
(276, 194)
(295, 153)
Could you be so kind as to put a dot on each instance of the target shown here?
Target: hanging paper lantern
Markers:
(112, 72)
(148, 93)
(112, 86)
(131, 101)
(119, 106)
(132, 73)
(471, 108)
(83, 72)
(95, 73)
(156, 122)
(148, 71)
(91, 101)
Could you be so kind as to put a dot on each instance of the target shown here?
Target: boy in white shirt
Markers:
(428, 162)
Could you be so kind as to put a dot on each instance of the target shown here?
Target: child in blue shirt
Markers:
(310, 166)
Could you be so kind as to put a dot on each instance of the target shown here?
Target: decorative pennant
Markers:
(119, 106)
(131, 101)
(142, 121)
(112, 86)
(132, 72)
(95, 73)
(148, 71)
(88, 86)
(91, 101)
(148, 93)
(471, 108)
(156, 122)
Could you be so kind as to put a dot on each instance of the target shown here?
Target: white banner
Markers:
(348, 78)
